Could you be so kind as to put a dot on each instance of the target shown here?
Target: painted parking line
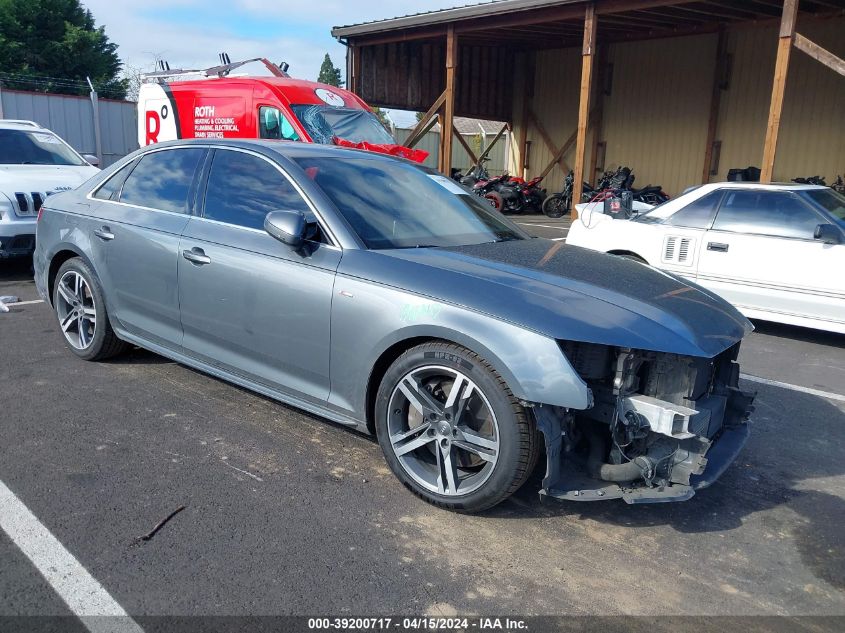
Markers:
(25, 303)
(85, 597)
(785, 385)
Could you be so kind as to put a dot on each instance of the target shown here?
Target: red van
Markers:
(212, 104)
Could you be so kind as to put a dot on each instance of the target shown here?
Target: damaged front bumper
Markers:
(573, 483)
(681, 449)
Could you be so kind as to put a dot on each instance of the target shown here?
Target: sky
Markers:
(190, 33)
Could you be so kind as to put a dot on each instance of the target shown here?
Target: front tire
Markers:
(451, 430)
(81, 311)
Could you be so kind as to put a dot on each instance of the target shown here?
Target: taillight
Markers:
(40, 211)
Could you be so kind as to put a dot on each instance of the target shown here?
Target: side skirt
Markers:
(222, 374)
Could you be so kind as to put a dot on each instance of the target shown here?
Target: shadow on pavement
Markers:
(798, 333)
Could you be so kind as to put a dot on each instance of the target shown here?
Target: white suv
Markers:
(34, 163)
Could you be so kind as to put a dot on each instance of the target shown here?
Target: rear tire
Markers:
(465, 451)
(81, 311)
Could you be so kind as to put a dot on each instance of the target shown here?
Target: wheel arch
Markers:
(627, 253)
(534, 367)
(62, 254)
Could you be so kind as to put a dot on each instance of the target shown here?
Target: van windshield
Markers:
(324, 123)
(22, 147)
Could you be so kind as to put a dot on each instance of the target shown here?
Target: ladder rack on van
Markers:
(165, 73)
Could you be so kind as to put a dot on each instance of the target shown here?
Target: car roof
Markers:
(774, 186)
(19, 124)
(290, 149)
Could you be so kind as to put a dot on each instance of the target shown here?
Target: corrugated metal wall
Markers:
(812, 131)
(72, 118)
(430, 142)
(656, 116)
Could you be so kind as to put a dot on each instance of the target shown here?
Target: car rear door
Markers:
(250, 304)
(142, 240)
(761, 255)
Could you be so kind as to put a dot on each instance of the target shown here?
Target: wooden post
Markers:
(354, 68)
(466, 147)
(597, 116)
(447, 123)
(715, 104)
(787, 33)
(425, 123)
(527, 94)
(584, 104)
(820, 54)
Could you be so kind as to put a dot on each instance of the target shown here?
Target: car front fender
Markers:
(370, 320)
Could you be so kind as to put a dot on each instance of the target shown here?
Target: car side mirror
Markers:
(828, 234)
(287, 226)
(91, 159)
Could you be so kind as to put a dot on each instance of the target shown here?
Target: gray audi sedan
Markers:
(384, 296)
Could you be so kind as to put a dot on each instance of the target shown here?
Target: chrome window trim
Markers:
(320, 219)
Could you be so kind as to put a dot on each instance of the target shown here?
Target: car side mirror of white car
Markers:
(288, 227)
(91, 159)
(828, 233)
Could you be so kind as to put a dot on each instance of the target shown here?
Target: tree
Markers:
(329, 73)
(382, 117)
(53, 45)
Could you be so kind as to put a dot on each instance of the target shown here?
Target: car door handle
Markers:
(197, 256)
(717, 246)
(104, 233)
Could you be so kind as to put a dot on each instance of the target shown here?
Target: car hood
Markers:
(43, 178)
(564, 292)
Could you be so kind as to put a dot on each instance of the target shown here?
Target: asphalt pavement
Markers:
(288, 514)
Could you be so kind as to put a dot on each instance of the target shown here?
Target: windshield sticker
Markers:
(449, 184)
(332, 98)
(410, 313)
(46, 138)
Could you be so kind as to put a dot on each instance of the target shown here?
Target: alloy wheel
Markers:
(443, 431)
(76, 310)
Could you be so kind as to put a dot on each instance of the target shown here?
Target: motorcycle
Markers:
(515, 195)
(558, 204)
(475, 174)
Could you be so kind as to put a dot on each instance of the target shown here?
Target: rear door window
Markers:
(163, 179)
(773, 213)
(243, 188)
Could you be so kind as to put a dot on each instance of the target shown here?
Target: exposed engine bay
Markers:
(661, 425)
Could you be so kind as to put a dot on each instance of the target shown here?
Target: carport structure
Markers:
(677, 88)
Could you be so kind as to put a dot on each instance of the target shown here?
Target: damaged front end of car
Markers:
(661, 425)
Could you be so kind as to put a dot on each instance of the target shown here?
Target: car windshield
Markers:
(831, 201)
(22, 147)
(393, 204)
(325, 123)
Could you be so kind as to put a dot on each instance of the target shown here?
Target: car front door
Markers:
(761, 255)
(682, 234)
(250, 304)
(142, 234)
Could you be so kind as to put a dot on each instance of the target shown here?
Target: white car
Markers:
(34, 163)
(776, 251)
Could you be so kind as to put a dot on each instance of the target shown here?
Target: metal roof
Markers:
(442, 16)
